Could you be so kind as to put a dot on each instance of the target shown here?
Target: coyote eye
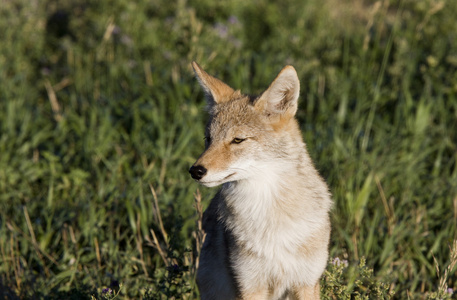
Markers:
(237, 140)
(207, 140)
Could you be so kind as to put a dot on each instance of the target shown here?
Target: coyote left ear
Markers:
(281, 96)
(216, 90)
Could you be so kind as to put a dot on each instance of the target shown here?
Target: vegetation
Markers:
(100, 118)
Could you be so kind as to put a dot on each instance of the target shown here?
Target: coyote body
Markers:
(267, 229)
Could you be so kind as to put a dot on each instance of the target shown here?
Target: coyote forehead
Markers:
(248, 121)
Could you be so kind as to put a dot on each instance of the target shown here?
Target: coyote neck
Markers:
(276, 193)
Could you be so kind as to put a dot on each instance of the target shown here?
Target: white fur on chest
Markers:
(273, 216)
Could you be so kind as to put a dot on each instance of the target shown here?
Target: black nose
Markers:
(197, 172)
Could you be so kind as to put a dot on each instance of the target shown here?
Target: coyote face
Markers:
(244, 133)
(232, 145)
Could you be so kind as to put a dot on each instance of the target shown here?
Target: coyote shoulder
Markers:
(267, 229)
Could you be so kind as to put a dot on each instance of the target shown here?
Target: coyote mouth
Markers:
(230, 175)
(217, 182)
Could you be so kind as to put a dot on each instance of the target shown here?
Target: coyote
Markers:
(267, 229)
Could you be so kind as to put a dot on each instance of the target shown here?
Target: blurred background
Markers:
(101, 117)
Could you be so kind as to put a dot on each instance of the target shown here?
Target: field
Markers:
(101, 117)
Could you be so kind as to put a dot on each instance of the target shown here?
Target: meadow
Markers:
(101, 117)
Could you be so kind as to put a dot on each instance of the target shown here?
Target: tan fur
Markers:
(306, 292)
(267, 229)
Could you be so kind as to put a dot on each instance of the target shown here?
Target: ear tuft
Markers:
(216, 90)
(282, 95)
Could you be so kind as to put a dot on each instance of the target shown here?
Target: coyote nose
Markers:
(197, 172)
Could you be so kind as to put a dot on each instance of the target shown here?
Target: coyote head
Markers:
(247, 136)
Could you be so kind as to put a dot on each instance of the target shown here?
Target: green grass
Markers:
(100, 118)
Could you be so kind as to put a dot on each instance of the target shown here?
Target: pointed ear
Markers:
(216, 90)
(281, 97)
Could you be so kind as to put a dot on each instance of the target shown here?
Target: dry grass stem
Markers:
(55, 106)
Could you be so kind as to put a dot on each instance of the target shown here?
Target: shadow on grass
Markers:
(81, 293)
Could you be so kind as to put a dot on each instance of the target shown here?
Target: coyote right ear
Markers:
(216, 90)
(281, 96)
